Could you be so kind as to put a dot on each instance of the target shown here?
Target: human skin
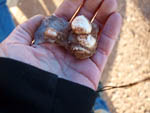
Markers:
(54, 59)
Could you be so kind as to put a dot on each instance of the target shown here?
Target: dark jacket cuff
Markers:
(27, 89)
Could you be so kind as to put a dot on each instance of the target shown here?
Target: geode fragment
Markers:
(79, 37)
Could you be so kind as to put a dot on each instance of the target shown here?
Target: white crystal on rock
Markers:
(76, 48)
(50, 32)
(88, 42)
(81, 25)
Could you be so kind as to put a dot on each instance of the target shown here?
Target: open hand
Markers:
(54, 59)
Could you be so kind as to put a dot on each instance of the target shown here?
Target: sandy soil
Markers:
(130, 59)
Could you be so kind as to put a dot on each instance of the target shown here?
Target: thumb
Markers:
(24, 33)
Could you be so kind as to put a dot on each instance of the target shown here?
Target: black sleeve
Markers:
(26, 89)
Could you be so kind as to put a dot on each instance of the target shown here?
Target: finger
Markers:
(24, 33)
(107, 8)
(89, 8)
(68, 8)
(107, 40)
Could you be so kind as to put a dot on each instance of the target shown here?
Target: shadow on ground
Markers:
(144, 5)
(34, 7)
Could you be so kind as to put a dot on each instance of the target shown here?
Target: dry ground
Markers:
(130, 59)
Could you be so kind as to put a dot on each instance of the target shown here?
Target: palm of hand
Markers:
(54, 59)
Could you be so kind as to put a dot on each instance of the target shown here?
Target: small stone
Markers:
(52, 33)
(81, 25)
(89, 41)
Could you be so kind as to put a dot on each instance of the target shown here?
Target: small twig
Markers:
(96, 12)
(77, 11)
(105, 88)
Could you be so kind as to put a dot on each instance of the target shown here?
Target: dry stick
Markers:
(105, 88)
(77, 11)
(94, 17)
(96, 12)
